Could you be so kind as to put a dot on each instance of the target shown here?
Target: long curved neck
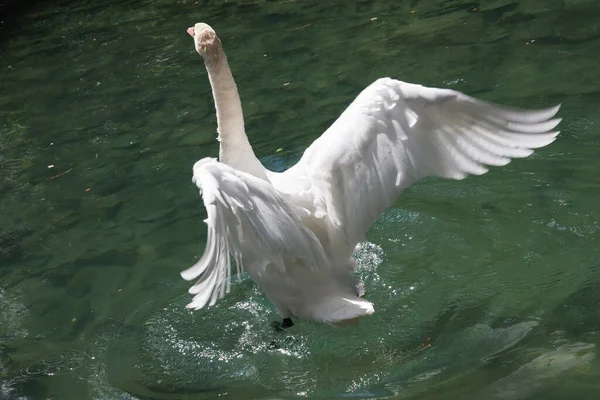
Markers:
(235, 149)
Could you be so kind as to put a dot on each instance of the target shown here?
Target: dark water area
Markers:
(486, 288)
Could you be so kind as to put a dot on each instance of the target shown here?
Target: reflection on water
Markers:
(484, 289)
(538, 373)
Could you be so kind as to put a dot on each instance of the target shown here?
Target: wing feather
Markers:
(395, 133)
(247, 218)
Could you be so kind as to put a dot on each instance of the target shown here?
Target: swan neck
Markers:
(235, 149)
(230, 118)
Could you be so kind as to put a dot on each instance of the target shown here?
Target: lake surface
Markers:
(487, 288)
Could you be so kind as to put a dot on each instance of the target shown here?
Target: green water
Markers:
(488, 288)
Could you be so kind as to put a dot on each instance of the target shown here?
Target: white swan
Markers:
(295, 232)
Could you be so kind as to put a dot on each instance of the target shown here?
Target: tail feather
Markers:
(338, 309)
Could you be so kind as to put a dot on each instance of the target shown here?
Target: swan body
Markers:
(295, 232)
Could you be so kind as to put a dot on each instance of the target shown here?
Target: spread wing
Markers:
(248, 219)
(395, 133)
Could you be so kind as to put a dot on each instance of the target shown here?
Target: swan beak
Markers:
(190, 30)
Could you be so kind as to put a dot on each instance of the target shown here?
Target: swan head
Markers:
(206, 40)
